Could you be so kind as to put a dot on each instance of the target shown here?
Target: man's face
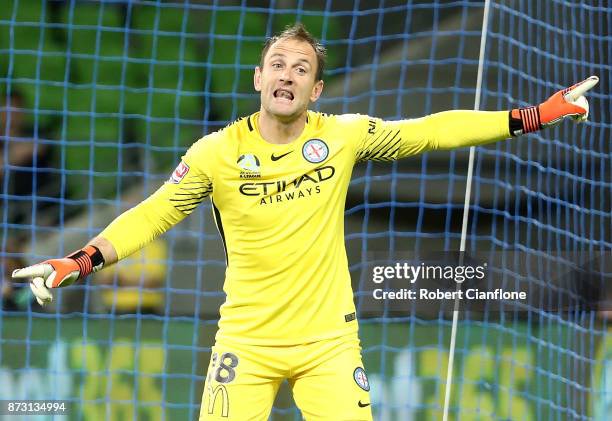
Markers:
(287, 80)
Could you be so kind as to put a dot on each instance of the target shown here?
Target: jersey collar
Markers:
(252, 122)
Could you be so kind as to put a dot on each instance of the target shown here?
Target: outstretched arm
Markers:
(129, 232)
(390, 140)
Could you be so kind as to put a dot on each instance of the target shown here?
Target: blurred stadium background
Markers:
(101, 98)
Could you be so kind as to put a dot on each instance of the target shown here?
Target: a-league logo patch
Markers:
(361, 379)
(250, 166)
(249, 162)
(315, 151)
(179, 173)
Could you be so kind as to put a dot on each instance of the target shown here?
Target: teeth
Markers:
(284, 94)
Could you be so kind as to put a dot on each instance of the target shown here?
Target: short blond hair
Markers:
(299, 32)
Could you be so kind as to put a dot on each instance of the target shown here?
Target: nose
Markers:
(286, 76)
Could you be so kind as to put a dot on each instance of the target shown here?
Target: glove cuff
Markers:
(89, 259)
(524, 120)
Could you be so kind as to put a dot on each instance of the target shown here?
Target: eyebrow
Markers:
(303, 60)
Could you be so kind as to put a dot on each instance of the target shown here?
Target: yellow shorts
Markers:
(327, 379)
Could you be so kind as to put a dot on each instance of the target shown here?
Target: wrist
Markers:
(524, 120)
(89, 259)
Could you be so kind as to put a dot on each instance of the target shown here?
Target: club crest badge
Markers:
(361, 379)
(315, 151)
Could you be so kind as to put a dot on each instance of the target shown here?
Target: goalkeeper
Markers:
(277, 180)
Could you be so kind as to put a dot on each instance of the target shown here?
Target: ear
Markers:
(257, 79)
(317, 89)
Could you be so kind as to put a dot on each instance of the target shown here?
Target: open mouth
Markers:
(283, 94)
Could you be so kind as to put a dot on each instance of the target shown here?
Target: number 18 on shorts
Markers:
(327, 379)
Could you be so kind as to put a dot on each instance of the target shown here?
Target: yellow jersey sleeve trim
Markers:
(140, 225)
(168, 206)
(187, 187)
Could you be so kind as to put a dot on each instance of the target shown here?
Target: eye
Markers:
(276, 65)
(301, 70)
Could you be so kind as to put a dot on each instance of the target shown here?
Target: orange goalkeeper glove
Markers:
(569, 102)
(57, 273)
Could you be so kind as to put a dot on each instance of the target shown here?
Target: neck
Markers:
(276, 131)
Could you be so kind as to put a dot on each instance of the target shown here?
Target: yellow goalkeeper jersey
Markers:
(280, 212)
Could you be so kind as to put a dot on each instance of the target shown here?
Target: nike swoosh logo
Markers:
(276, 158)
(363, 405)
